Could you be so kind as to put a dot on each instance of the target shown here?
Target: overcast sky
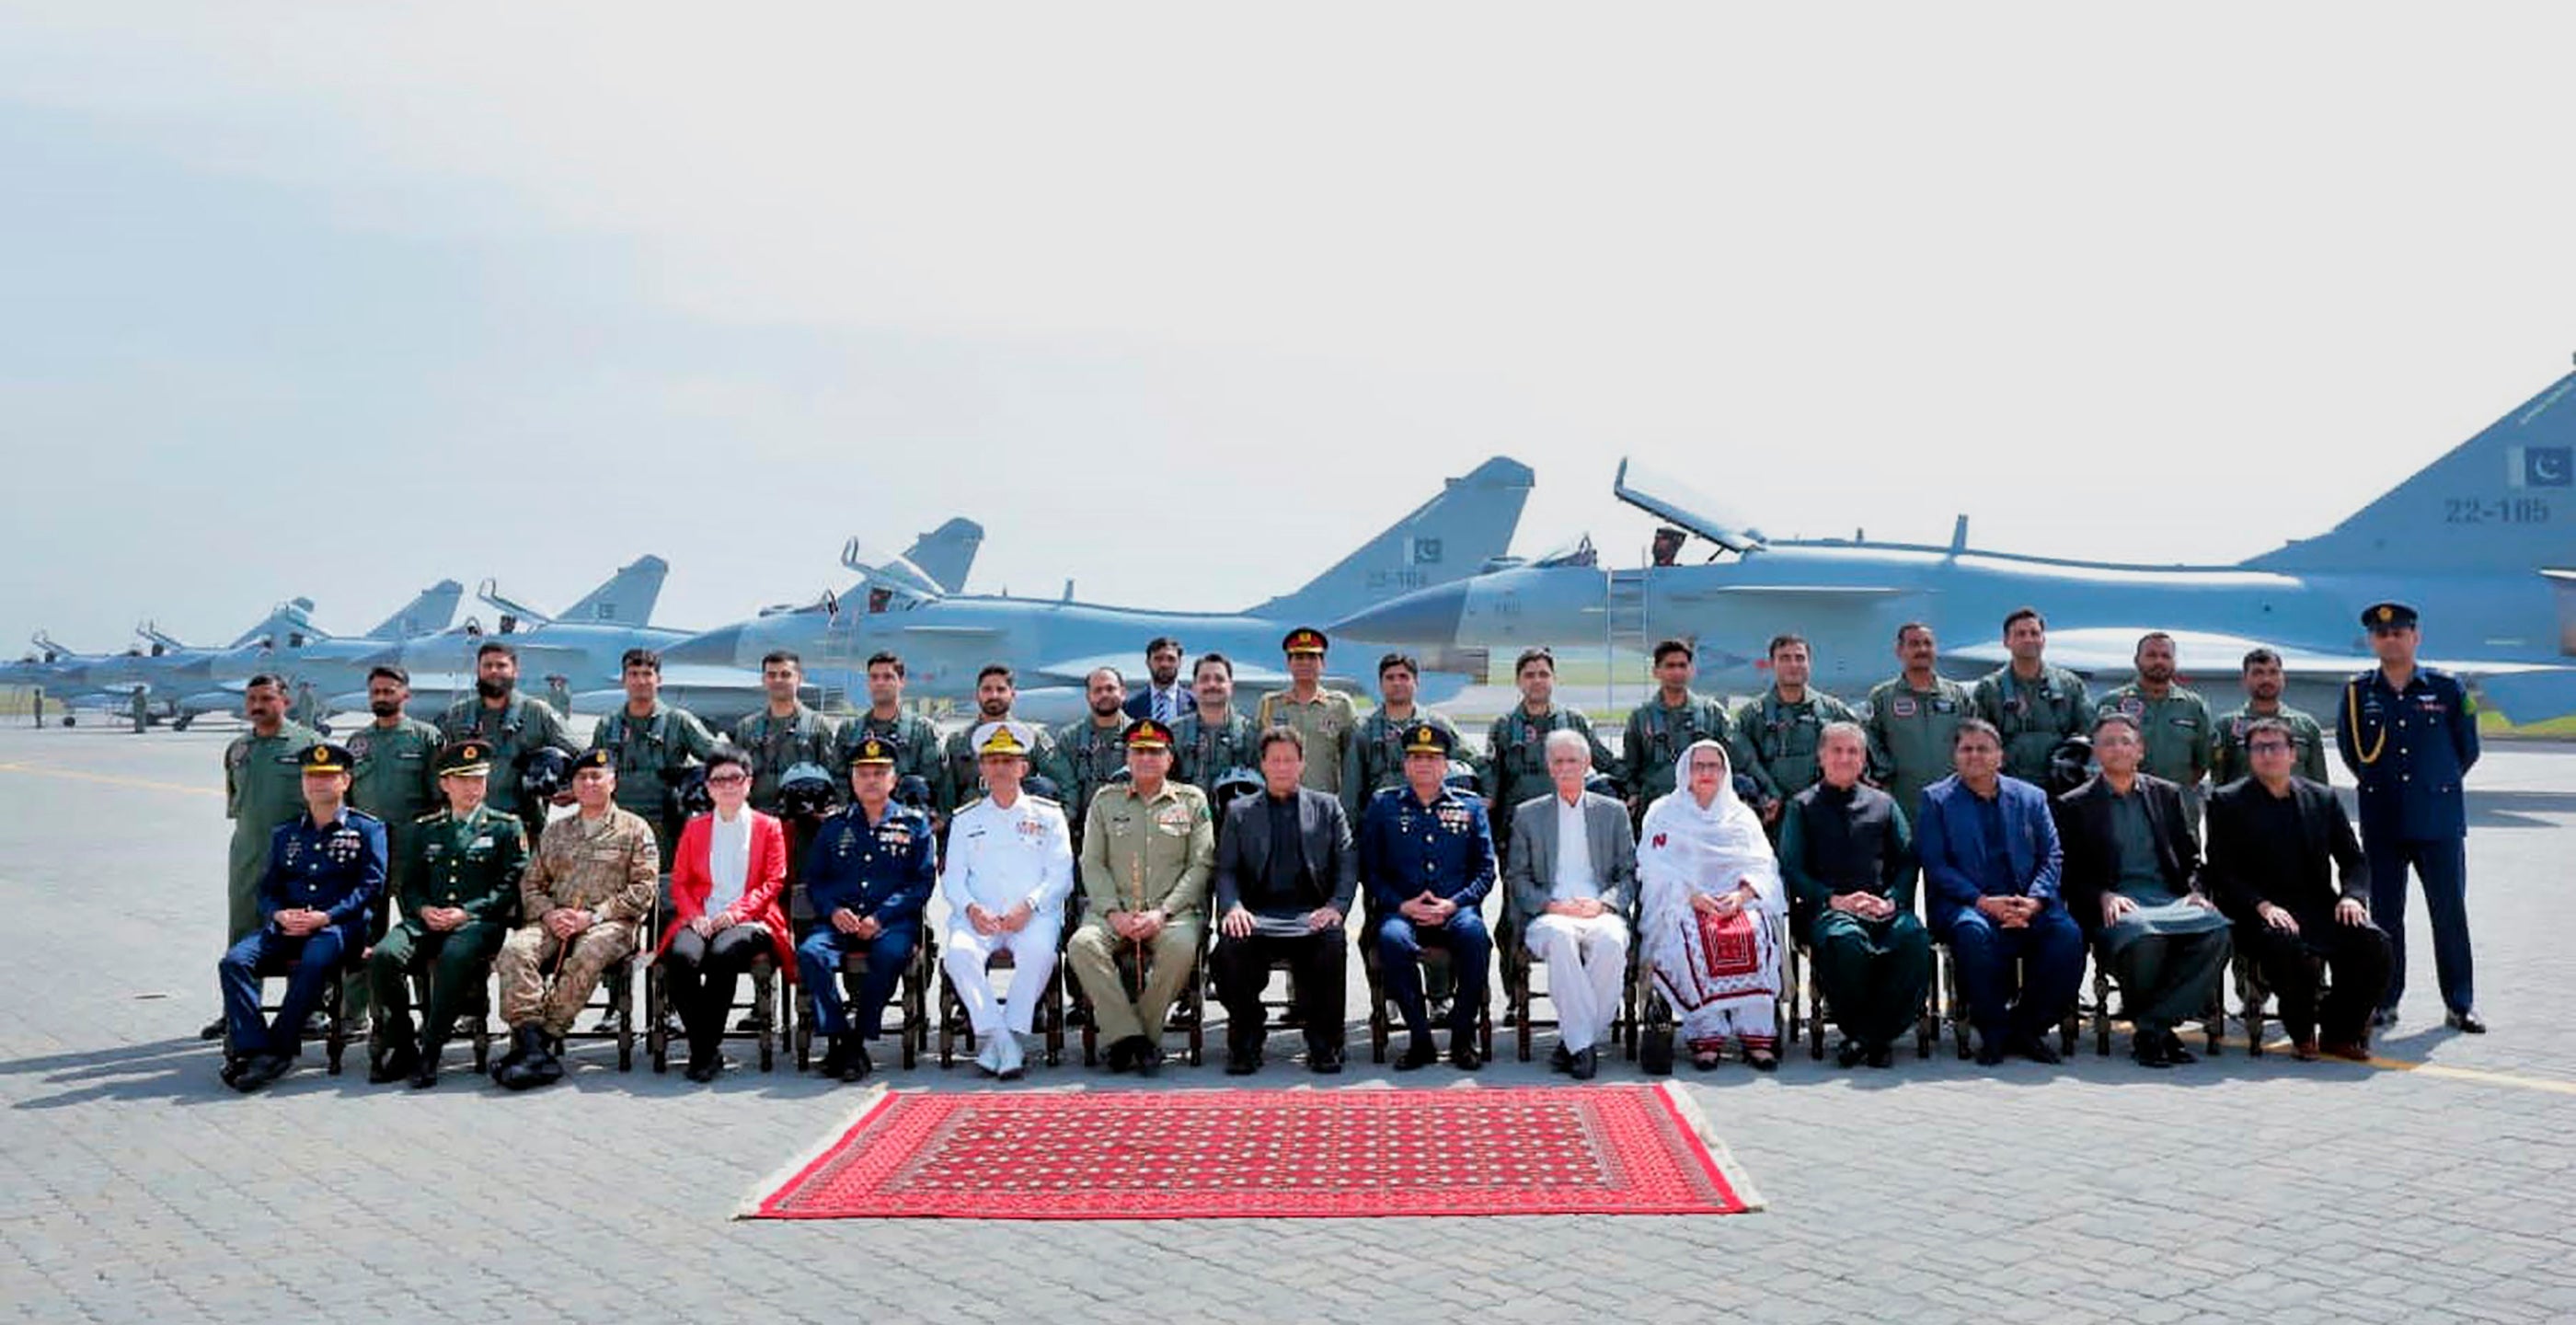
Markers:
(338, 300)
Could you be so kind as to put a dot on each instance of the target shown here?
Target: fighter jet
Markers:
(2479, 540)
(583, 643)
(290, 647)
(946, 637)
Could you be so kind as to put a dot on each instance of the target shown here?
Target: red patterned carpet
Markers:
(1618, 1150)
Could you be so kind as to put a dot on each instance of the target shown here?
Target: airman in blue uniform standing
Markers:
(1427, 860)
(326, 871)
(2410, 735)
(867, 876)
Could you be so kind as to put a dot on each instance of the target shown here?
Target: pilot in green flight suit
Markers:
(2033, 704)
(1778, 733)
(263, 789)
(2174, 723)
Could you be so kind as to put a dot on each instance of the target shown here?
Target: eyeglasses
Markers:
(728, 779)
(2276, 747)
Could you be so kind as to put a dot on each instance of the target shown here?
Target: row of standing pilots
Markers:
(2408, 735)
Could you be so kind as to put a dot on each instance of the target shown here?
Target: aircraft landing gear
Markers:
(180, 723)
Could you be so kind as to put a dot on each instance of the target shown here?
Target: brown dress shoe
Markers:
(2304, 1050)
(2352, 1050)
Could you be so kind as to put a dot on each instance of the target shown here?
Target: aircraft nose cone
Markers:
(1421, 618)
(714, 648)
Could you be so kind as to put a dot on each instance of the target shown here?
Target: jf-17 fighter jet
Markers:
(945, 637)
(2482, 541)
(306, 658)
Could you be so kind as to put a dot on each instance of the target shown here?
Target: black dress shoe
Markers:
(1558, 1060)
(234, 1065)
(2175, 1054)
(1325, 1062)
(2383, 1019)
(262, 1071)
(2466, 1023)
(1587, 1064)
(1418, 1054)
(1242, 1062)
(860, 1064)
(1990, 1053)
(425, 1075)
(1148, 1059)
(393, 1064)
(1116, 1058)
(1882, 1056)
(2149, 1051)
(1850, 1054)
(2034, 1047)
(213, 1030)
(1462, 1053)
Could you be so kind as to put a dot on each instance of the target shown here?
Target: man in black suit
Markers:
(2131, 881)
(1285, 877)
(2276, 841)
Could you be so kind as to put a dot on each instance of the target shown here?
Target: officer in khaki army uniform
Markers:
(784, 733)
(263, 790)
(914, 741)
(1517, 745)
(1672, 721)
(1090, 750)
(1376, 758)
(463, 898)
(584, 900)
(2173, 721)
(1912, 717)
(2263, 680)
(1777, 735)
(962, 777)
(2033, 704)
(395, 780)
(1323, 717)
(509, 722)
(1215, 738)
(651, 742)
(1146, 856)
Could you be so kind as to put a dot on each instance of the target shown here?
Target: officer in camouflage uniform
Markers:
(585, 898)
(2263, 679)
(263, 791)
(2033, 704)
(961, 778)
(1375, 761)
(509, 722)
(2172, 721)
(1323, 717)
(1214, 738)
(394, 780)
(1144, 865)
(1661, 728)
(784, 733)
(651, 741)
(1517, 745)
(1912, 717)
(1778, 734)
(915, 741)
(464, 896)
(1089, 751)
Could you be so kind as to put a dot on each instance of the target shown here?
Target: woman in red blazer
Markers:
(727, 875)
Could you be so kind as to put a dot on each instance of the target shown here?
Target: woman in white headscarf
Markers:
(1709, 886)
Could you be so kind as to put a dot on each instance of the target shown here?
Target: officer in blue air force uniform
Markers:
(1427, 860)
(2410, 735)
(867, 876)
(326, 870)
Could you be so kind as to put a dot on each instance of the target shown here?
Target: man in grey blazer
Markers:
(1572, 876)
(1285, 876)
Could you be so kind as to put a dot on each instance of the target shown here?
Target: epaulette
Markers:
(970, 805)
(429, 817)
(356, 813)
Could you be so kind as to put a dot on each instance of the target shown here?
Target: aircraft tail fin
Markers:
(627, 598)
(1446, 538)
(947, 554)
(426, 614)
(2504, 498)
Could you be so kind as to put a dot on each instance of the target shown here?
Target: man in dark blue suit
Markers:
(1427, 860)
(1164, 697)
(2410, 735)
(317, 901)
(1990, 867)
(868, 874)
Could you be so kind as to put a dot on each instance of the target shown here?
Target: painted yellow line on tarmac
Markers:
(2445, 1071)
(111, 779)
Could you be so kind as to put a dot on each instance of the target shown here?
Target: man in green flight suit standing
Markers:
(508, 722)
(1778, 733)
(915, 741)
(465, 894)
(651, 742)
(1912, 716)
(1516, 746)
(391, 777)
(2173, 721)
(1670, 721)
(2035, 705)
(1375, 759)
(263, 789)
